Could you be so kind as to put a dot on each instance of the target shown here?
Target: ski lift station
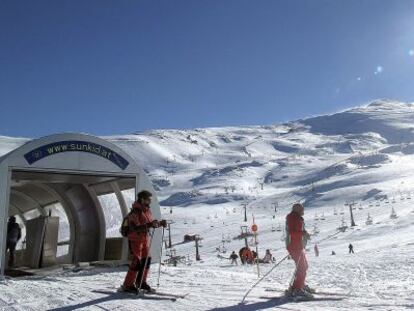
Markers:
(69, 194)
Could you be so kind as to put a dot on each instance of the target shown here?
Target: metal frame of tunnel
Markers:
(66, 177)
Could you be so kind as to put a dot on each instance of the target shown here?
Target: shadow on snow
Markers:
(110, 297)
(268, 304)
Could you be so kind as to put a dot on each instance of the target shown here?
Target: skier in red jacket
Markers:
(140, 221)
(296, 239)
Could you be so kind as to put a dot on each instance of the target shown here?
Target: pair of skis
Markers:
(317, 296)
(156, 295)
(288, 299)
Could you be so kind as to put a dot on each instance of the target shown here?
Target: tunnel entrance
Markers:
(63, 218)
(69, 204)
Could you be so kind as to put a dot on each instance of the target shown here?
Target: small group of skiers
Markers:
(350, 248)
(247, 256)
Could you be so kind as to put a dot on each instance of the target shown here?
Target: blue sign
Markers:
(79, 146)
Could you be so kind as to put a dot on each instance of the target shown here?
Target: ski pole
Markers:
(254, 229)
(294, 275)
(159, 267)
(146, 262)
(262, 278)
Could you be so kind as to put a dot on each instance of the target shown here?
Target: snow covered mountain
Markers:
(363, 157)
(313, 160)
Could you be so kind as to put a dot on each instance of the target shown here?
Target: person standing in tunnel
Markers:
(14, 233)
(140, 222)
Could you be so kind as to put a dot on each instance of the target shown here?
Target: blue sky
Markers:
(118, 67)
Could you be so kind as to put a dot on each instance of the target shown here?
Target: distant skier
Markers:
(351, 248)
(333, 253)
(246, 255)
(316, 249)
(139, 222)
(241, 250)
(268, 257)
(14, 233)
(233, 258)
(296, 239)
(254, 256)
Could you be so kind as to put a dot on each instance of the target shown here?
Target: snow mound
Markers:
(185, 199)
(402, 148)
(374, 194)
(215, 173)
(369, 161)
(392, 121)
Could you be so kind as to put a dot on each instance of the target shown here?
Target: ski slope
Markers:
(363, 157)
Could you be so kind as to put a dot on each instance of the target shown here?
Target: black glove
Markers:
(163, 223)
(155, 224)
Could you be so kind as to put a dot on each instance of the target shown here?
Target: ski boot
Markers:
(130, 289)
(300, 294)
(146, 288)
(309, 289)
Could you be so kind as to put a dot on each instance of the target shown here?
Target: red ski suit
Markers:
(295, 244)
(139, 220)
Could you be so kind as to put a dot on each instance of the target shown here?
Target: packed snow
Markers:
(360, 159)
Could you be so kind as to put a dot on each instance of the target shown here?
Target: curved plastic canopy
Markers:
(73, 170)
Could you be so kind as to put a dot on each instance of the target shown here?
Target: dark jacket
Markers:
(14, 233)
